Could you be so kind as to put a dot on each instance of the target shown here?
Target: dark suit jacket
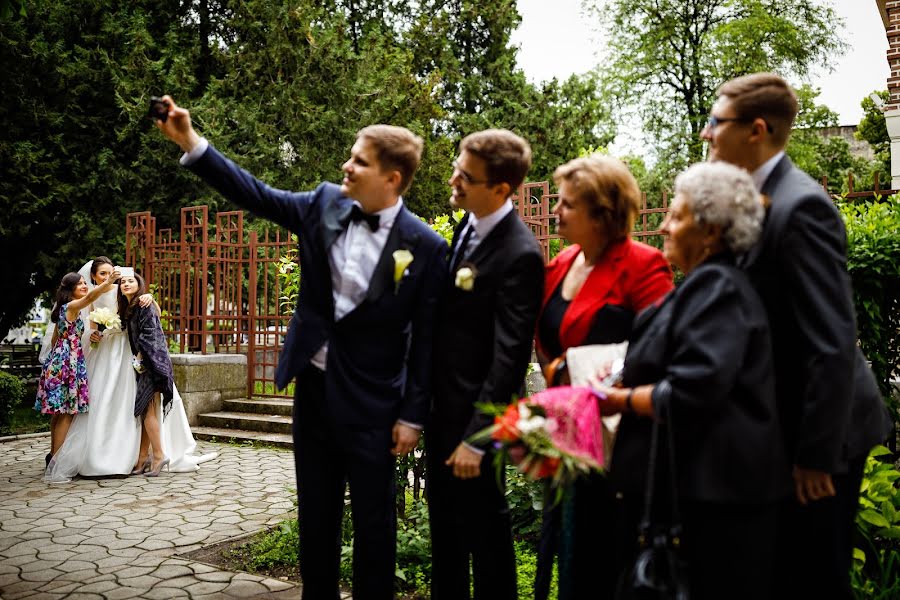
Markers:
(484, 336)
(369, 381)
(828, 399)
(708, 350)
(628, 278)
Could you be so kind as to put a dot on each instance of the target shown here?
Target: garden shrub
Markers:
(873, 261)
(876, 566)
(12, 392)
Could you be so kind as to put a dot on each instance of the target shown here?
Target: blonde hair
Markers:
(609, 189)
(396, 148)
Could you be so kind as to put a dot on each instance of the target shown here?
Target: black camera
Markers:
(159, 109)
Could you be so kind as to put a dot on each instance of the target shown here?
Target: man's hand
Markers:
(465, 463)
(812, 485)
(405, 439)
(178, 127)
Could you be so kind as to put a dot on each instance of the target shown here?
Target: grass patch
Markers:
(27, 420)
(275, 553)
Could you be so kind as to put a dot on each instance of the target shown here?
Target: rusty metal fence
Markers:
(219, 288)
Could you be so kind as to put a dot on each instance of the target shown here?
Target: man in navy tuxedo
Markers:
(828, 402)
(359, 342)
(484, 332)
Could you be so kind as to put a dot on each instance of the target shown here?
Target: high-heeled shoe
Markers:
(163, 465)
(142, 468)
(47, 459)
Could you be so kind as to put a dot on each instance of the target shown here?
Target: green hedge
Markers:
(12, 392)
(873, 260)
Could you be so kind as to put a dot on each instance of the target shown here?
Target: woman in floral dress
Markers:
(63, 386)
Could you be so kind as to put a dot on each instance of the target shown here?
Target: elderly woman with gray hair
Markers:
(700, 364)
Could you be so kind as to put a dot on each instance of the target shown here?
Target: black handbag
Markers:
(659, 571)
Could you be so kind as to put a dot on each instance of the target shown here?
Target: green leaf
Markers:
(873, 517)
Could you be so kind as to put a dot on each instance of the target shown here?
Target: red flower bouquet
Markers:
(557, 432)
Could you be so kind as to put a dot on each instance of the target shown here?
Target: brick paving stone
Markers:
(245, 589)
(164, 593)
(122, 593)
(201, 588)
(99, 587)
(276, 585)
(117, 537)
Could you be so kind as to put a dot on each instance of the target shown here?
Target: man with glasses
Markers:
(483, 338)
(829, 405)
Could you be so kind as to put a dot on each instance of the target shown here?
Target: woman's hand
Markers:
(96, 336)
(611, 400)
(145, 300)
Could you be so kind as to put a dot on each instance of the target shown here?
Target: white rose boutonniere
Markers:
(402, 259)
(465, 278)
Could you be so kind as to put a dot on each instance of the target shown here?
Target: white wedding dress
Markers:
(106, 439)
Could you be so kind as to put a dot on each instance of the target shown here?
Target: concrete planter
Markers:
(205, 381)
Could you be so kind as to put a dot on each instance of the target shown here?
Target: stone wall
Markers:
(205, 381)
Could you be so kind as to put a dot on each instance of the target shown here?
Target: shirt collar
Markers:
(486, 224)
(762, 173)
(386, 216)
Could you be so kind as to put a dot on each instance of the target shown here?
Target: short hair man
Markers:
(829, 405)
(483, 339)
(359, 342)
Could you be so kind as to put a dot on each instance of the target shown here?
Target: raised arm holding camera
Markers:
(359, 343)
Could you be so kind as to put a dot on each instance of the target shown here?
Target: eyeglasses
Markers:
(466, 178)
(714, 121)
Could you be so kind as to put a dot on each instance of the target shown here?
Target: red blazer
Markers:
(630, 274)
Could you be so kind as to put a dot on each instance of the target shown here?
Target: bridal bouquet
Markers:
(557, 432)
(105, 319)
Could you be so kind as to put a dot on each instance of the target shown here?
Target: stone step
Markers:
(280, 440)
(261, 406)
(247, 421)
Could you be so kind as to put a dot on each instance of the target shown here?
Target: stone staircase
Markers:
(263, 420)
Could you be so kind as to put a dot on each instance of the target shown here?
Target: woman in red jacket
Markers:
(593, 290)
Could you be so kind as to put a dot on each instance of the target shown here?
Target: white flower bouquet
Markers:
(105, 319)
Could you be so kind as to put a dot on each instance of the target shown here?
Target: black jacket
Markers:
(828, 399)
(707, 348)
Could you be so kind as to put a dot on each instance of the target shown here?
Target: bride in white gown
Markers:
(106, 439)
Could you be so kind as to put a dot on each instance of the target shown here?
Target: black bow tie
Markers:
(356, 214)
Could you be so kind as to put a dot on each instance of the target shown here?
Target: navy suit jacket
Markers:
(378, 368)
(828, 400)
(484, 336)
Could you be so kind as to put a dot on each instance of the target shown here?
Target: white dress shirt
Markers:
(482, 227)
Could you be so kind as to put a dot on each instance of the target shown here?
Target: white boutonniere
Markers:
(465, 277)
(402, 259)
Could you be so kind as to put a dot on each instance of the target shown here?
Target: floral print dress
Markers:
(63, 386)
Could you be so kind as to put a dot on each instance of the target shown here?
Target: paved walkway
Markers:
(118, 538)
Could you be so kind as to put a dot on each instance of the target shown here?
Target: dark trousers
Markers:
(327, 458)
(815, 542)
(469, 518)
(581, 530)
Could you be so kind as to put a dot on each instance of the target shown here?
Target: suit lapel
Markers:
(399, 237)
(457, 238)
(769, 189)
(486, 245)
(334, 213)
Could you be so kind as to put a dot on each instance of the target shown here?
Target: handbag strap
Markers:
(644, 528)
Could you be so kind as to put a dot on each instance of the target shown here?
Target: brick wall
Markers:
(892, 29)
